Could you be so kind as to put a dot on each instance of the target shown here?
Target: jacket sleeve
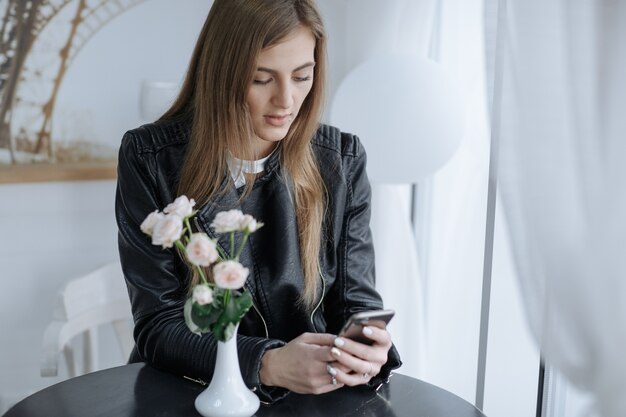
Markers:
(157, 284)
(354, 289)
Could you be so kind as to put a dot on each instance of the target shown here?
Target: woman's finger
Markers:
(378, 335)
(322, 339)
(374, 353)
(353, 364)
(352, 379)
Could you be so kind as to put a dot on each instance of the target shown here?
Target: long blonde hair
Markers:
(213, 96)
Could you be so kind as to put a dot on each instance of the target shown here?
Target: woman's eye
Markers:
(302, 79)
(262, 82)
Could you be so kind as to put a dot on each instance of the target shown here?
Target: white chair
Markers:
(84, 304)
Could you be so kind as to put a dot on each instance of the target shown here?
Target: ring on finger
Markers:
(366, 375)
(333, 380)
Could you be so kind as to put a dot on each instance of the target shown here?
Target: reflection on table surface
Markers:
(139, 390)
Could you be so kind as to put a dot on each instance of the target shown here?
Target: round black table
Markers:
(139, 390)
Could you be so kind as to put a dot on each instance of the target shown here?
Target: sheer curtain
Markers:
(563, 185)
(436, 295)
(452, 232)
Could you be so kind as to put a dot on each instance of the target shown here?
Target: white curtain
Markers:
(398, 274)
(453, 229)
(436, 328)
(563, 184)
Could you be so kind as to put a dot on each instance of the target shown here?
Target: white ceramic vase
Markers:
(227, 395)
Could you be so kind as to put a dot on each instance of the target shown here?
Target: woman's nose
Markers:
(283, 97)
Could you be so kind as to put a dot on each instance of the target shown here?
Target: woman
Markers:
(244, 132)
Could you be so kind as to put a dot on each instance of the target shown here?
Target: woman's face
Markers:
(283, 79)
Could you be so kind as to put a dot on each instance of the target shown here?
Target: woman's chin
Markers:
(274, 135)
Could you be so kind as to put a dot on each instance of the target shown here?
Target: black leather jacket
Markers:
(149, 164)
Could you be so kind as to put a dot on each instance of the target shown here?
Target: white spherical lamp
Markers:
(406, 111)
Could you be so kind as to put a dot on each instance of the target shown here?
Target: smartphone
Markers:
(353, 329)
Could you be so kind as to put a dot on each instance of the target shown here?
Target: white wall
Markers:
(52, 232)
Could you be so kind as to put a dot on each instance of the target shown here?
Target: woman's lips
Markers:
(277, 120)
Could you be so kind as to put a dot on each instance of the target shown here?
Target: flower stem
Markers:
(220, 251)
(232, 243)
(180, 246)
(201, 273)
(226, 297)
(188, 226)
(243, 243)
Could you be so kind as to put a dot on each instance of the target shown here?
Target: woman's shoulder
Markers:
(332, 139)
(153, 137)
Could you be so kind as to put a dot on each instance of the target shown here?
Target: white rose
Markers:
(182, 206)
(148, 224)
(202, 294)
(201, 250)
(167, 230)
(249, 223)
(230, 275)
(227, 221)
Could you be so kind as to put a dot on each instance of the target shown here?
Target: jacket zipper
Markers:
(321, 298)
(267, 334)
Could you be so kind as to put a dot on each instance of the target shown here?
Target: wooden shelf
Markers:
(41, 172)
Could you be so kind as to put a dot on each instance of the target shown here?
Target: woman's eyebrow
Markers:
(274, 72)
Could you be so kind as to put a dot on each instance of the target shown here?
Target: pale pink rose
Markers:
(182, 206)
(249, 223)
(227, 221)
(202, 294)
(148, 224)
(167, 230)
(230, 275)
(201, 250)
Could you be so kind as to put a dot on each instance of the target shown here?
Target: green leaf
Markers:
(238, 304)
(187, 313)
(204, 315)
(243, 303)
(218, 297)
(229, 331)
(218, 328)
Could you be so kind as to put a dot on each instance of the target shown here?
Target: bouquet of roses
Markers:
(217, 306)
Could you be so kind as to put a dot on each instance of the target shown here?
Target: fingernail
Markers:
(335, 352)
(332, 371)
(367, 331)
(339, 342)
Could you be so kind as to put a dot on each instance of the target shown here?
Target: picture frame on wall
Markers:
(42, 137)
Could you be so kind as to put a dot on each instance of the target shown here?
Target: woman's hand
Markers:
(361, 362)
(302, 365)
